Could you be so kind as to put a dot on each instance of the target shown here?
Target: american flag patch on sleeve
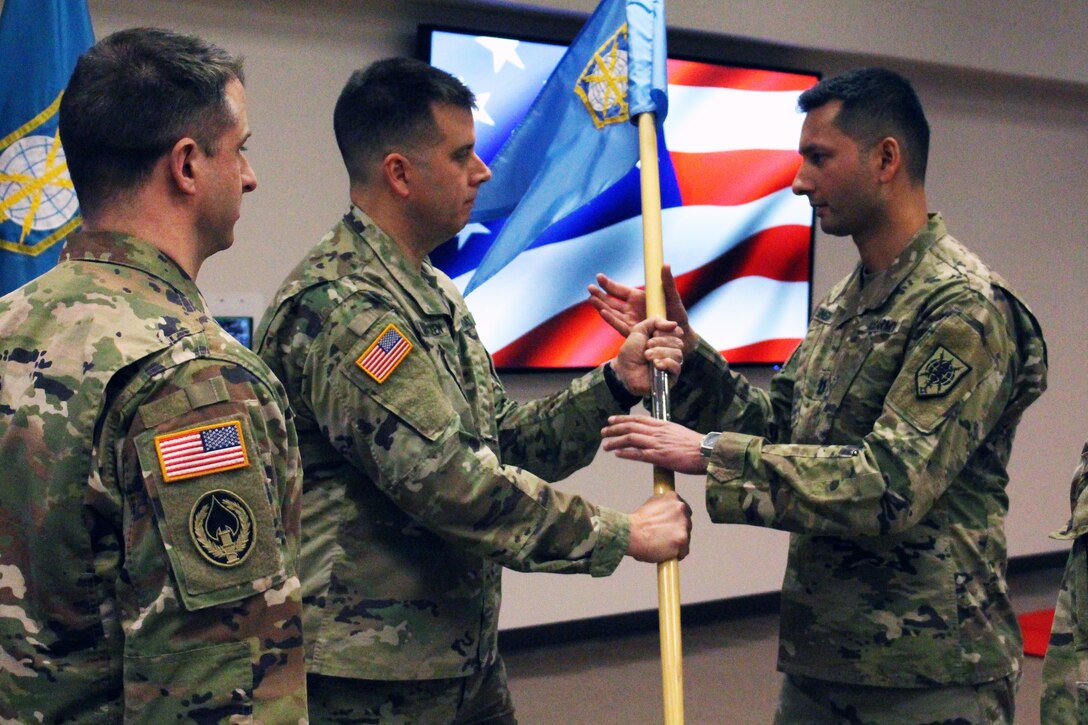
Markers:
(200, 451)
(385, 353)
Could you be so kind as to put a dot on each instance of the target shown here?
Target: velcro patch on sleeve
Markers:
(217, 520)
(941, 371)
(201, 451)
(383, 355)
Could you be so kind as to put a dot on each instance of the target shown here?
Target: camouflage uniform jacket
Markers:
(149, 505)
(411, 499)
(882, 446)
(1065, 668)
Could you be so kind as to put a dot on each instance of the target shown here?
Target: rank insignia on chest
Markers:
(201, 451)
(384, 354)
(221, 526)
(939, 374)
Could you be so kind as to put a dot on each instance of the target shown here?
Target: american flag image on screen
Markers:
(201, 451)
(385, 354)
(738, 240)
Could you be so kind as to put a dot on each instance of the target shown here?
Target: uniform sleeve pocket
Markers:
(205, 685)
(940, 374)
(392, 368)
(207, 483)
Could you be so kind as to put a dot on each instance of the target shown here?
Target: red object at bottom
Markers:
(1035, 627)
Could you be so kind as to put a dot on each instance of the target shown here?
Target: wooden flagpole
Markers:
(668, 572)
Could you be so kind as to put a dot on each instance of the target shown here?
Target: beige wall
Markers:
(1007, 95)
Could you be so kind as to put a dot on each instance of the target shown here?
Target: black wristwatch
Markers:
(706, 448)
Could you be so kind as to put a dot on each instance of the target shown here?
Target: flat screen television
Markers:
(738, 240)
(239, 327)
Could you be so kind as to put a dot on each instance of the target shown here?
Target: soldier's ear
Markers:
(396, 169)
(182, 162)
(889, 157)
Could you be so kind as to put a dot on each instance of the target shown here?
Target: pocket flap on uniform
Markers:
(207, 484)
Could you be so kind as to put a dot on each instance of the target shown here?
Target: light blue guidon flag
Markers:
(577, 138)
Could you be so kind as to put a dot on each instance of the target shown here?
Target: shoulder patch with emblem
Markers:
(939, 374)
(384, 354)
(221, 527)
(200, 451)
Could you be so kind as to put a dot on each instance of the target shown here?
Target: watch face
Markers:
(708, 443)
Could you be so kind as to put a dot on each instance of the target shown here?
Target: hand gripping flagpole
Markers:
(668, 572)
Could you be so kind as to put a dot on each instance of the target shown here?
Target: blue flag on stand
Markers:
(577, 139)
(40, 41)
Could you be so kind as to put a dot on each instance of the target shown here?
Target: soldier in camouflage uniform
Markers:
(1065, 668)
(150, 504)
(417, 465)
(882, 444)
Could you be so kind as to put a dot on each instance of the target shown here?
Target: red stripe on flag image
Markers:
(577, 336)
(385, 354)
(687, 73)
(201, 451)
(727, 178)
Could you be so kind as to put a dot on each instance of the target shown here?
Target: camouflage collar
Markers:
(133, 252)
(421, 285)
(856, 299)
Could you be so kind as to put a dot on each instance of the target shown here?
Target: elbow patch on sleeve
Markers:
(944, 370)
(392, 368)
(204, 471)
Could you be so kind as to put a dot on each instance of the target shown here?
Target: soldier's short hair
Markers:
(131, 97)
(876, 103)
(387, 107)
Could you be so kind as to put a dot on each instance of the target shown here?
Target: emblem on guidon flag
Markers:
(38, 204)
(603, 84)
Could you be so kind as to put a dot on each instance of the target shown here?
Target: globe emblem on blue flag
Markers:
(603, 84)
(36, 192)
